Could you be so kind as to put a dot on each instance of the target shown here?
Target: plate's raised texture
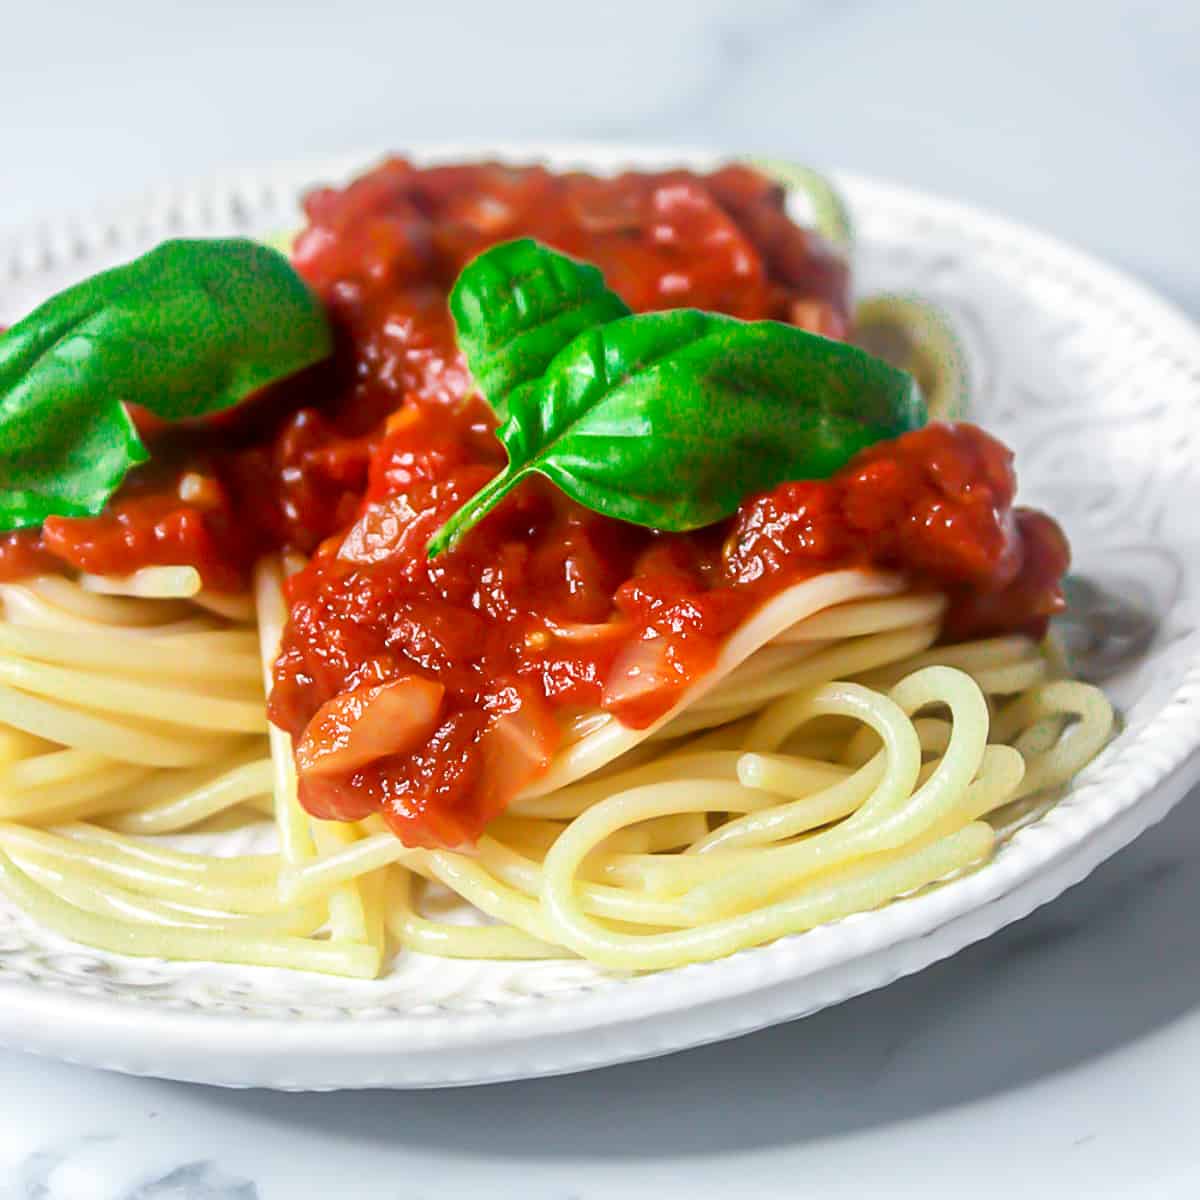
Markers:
(1094, 383)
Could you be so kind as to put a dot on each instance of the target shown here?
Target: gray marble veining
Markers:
(40, 1176)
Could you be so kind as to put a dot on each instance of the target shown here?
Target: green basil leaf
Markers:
(669, 419)
(517, 305)
(191, 328)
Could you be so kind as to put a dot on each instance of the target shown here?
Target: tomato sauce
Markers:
(547, 610)
(289, 469)
(433, 691)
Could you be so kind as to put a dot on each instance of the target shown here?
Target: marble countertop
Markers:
(1055, 1059)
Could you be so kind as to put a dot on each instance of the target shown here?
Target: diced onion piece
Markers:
(376, 534)
(154, 583)
(517, 750)
(200, 491)
(372, 721)
(640, 669)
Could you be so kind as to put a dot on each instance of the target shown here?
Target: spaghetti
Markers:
(645, 742)
(869, 769)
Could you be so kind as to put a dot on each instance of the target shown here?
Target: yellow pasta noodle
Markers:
(834, 759)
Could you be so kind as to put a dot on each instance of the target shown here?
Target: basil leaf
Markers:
(191, 328)
(669, 419)
(517, 305)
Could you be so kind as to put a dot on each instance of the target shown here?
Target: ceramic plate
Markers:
(1096, 385)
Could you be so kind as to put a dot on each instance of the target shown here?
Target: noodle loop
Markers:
(831, 762)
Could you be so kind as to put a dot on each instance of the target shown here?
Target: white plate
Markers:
(1094, 382)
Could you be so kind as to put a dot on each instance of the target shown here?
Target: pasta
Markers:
(635, 862)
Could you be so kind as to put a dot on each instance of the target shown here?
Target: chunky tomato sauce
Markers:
(433, 691)
(290, 469)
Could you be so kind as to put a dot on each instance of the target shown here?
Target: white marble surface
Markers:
(1055, 1060)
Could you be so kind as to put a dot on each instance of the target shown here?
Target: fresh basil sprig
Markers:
(191, 328)
(517, 305)
(670, 419)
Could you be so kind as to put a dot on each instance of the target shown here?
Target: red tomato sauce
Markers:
(290, 469)
(547, 609)
(433, 691)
